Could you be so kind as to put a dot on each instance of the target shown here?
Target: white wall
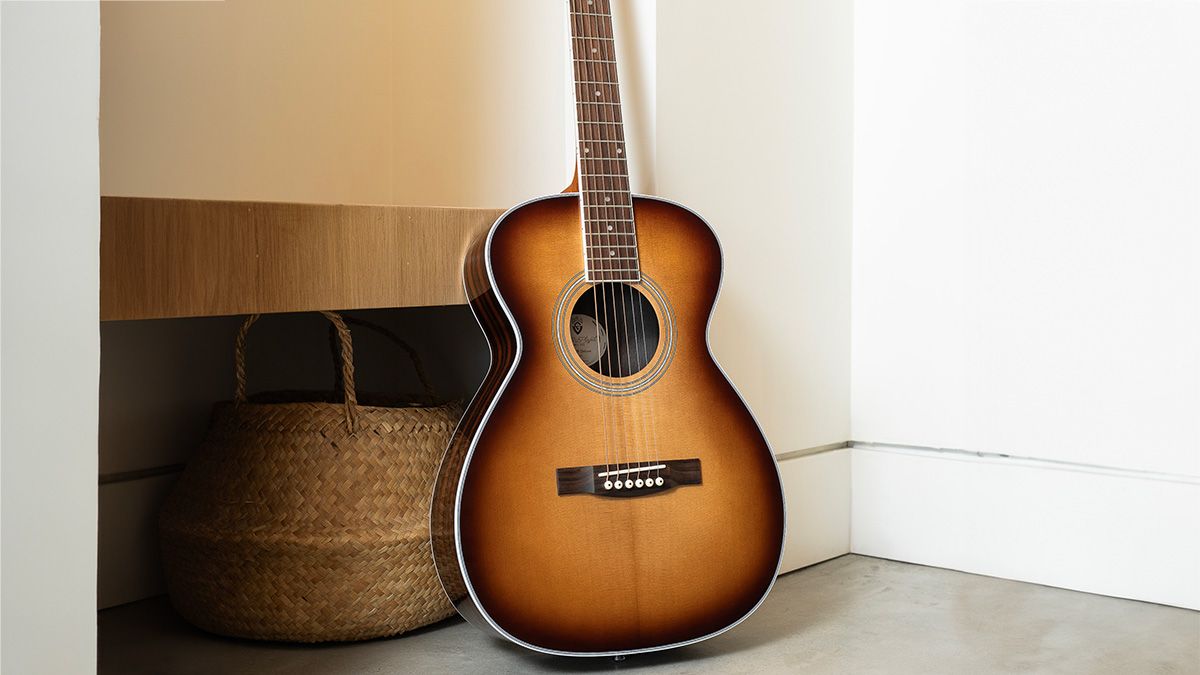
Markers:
(1025, 283)
(754, 132)
(49, 346)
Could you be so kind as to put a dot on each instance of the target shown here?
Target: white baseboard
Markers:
(817, 490)
(1112, 532)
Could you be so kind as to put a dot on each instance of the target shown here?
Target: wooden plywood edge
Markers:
(163, 258)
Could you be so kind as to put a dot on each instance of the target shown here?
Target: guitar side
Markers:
(583, 574)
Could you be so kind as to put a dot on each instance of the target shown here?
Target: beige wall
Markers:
(371, 101)
(754, 132)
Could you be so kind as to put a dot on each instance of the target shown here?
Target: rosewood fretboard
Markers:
(609, 236)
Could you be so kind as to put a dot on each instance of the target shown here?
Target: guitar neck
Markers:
(609, 233)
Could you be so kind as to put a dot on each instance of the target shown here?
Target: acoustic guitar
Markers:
(607, 491)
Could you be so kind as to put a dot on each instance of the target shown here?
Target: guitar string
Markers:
(634, 413)
(648, 454)
(599, 285)
(588, 240)
(604, 115)
(591, 24)
(652, 417)
(641, 407)
(634, 403)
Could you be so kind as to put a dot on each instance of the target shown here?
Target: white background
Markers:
(1027, 229)
(1026, 283)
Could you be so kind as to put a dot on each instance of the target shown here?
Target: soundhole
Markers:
(614, 329)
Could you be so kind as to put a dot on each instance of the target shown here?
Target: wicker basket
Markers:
(308, 520)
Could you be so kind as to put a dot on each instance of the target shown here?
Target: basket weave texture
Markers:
(308, 521)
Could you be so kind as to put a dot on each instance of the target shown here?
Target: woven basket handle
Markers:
(400, 342)
(349, 399)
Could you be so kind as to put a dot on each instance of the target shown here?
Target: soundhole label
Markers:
(589, 338)
(622, 322)
(614, 338)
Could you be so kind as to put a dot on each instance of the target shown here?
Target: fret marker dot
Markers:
(618, 151)
(610, 228)
(611, 253)
(597, 93)
(608, 199)
(594, 50)
(586, 150)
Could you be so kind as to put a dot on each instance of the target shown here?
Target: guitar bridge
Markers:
(628, 479)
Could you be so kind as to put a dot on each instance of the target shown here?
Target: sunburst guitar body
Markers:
(607, 491)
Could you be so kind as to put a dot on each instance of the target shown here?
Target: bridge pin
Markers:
(638, 482)
(658, 481)
(628, 483)
(617, 485)
(608, 485)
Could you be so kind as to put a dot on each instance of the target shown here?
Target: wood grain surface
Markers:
(164, 258)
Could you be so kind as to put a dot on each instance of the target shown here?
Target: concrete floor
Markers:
(849, 615)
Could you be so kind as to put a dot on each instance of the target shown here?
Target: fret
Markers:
(631, 279)
(607, 84)
(583, 37)
(595, 71)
